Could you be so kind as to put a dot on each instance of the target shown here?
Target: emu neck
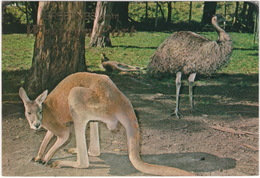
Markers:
(223, 36)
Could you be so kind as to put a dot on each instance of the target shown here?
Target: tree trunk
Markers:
(160, 7)
(169, 16)
(235, 19)
(190, 12)
(146, 11)
(59, 48)
(208, 11)
(101, 27)
(244, 9)
(120, 14)
(250, 17)
(33, 11)
(156, 15)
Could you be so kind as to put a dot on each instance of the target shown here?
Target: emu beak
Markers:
(220, 18)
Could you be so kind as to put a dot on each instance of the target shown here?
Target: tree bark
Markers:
(59, 48)
(120, 14)
(250, 17)
(33, 6)
(208, 11)
(169, 16)
(101, 27)
(146, 11)
(244, 9)
(235, 19)
(190, 12)
(160, 7)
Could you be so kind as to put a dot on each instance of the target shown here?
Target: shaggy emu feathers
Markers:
(188, 52)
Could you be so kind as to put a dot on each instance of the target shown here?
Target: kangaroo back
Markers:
(56, 103)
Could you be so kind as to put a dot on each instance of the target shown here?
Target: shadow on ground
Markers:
(119, 165)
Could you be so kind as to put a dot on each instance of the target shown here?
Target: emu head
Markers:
(33, 109)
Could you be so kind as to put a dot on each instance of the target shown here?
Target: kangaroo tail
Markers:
(137, 162)
(133, 137)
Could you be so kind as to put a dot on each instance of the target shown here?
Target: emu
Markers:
(188, 53)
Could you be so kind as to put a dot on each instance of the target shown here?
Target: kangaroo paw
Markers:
(42, 162)
(71, 150)
(55, 164)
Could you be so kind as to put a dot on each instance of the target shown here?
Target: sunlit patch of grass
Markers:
(17, 51)
(135, 50)
(244, 58)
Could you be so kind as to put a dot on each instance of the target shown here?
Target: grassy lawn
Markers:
(17, 51)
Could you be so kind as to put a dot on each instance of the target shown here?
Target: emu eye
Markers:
(40, 112)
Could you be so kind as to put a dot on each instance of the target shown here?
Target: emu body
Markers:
(189, 53)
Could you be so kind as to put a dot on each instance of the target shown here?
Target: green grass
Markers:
(17, 51)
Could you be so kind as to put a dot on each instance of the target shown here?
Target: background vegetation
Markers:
(17, 49)
(136, 50)
(239, 16)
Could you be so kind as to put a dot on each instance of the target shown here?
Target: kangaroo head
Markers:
(33, 109)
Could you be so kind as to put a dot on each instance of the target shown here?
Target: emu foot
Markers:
(192, 110)
(177, 114)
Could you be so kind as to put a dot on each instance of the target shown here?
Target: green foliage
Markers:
(17, 51)
(180, 10)
(13, 15)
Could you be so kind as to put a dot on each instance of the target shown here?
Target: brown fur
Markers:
(114, 66)
(88, 97)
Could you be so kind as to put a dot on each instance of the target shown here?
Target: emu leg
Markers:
(178, 87)
(191, 83)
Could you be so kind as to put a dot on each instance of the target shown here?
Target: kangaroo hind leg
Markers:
(94, 145)
(82, 156)
(78, 98)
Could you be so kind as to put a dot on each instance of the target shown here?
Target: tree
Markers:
(120, 12)
(250, 17)
(190, 12)
(208, 11)
(246, 21)
(169, 16)
(235, 19)
(59, 47)
(30, 10)
(101, 27)
(146, 11)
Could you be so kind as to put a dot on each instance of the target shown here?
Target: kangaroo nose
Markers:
(37, 125)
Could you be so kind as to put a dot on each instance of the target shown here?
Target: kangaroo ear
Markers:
(40, 99)
(23, 95)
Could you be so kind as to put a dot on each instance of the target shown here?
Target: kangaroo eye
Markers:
(29, 113)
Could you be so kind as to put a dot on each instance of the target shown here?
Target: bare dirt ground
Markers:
(189, 143)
